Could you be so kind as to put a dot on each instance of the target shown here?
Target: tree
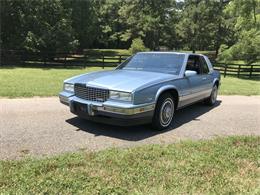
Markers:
(246, 17)
(84, 21)
(110, 25)
(137, 46)
(202, 24)
(148, 20)
(42, 25)
(247, 48)
(12, 33)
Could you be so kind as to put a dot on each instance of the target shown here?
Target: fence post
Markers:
(238, 73)
(103, 60)
(44, 58)
(65, 60)
(120, 59)
(225, 70)
(85, 60)
(251, 70)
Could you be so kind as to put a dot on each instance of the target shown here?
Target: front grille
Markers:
(91, 93)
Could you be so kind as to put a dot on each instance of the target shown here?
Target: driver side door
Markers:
(198, 83)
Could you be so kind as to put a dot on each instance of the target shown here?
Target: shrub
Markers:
(247, 48)
(137, 46)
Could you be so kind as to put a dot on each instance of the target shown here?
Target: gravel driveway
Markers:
(43, 126)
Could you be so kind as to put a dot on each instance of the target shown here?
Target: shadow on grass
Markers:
(136, 133)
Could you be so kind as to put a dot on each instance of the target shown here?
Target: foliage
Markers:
(110, 24)
(65, 25)
(149, 20)
(43, 25)
(203, 25)
(137, 46)
(247, 28)
(219, 166)
(84, 21)
(247, 48)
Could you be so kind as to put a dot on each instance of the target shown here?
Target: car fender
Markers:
(215, 80)
(163, 89)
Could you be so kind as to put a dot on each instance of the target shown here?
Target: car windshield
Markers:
(155, 62)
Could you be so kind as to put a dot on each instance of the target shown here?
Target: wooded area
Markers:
(228, 27)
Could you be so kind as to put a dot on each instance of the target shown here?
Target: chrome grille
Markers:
(91, 93)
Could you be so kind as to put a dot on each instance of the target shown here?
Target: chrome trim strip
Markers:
(116, 107)
(128, 111)
(193, 95)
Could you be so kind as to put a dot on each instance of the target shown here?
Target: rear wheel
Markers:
(164, 111)
(211, 100)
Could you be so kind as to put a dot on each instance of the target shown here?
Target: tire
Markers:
(164, 112)
(211, 100)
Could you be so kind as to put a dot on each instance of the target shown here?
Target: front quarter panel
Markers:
(151, 94)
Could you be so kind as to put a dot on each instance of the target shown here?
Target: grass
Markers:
(236, 86)
(28, 82)
(220, 166)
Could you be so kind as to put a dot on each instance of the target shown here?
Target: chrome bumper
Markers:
(107, 107)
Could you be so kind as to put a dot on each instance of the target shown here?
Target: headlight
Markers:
(69, 87)
(118, 95)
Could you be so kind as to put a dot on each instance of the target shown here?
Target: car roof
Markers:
(171, 52)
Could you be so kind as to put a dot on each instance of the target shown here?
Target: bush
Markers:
(247, 48)
(137, 46)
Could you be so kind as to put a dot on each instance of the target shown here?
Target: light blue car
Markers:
(147, 88)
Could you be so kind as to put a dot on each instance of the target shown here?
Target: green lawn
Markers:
(220, 166)
(235, 86)
(28, 82)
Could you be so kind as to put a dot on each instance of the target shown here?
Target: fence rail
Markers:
(11, 57)
(15, 57)
(239, 70)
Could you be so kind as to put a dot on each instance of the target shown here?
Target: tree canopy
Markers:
(246, 16)
(228, 26)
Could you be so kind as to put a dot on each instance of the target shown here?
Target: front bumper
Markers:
(111, 112)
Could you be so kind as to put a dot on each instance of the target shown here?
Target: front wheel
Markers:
(164, 111)
(211, 100)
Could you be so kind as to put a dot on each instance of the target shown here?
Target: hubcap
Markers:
(166, 112)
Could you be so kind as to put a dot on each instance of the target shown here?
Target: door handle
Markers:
(204, 78)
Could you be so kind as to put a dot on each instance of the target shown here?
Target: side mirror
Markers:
(189, 73)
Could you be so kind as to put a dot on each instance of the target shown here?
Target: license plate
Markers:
(87, 109)
(83, 108)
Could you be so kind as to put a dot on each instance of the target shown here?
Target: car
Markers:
(148, 87)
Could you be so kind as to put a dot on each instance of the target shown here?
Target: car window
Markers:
(155, 62)
(193, 64)
(204, 66)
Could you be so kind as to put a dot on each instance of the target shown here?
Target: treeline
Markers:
(228, 26)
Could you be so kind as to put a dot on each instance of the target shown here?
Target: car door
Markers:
(199, 83)
(207, 79)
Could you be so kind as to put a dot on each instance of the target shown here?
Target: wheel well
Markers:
(175, 95)
(216, 83)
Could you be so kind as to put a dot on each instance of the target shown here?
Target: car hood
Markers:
(122, 80)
